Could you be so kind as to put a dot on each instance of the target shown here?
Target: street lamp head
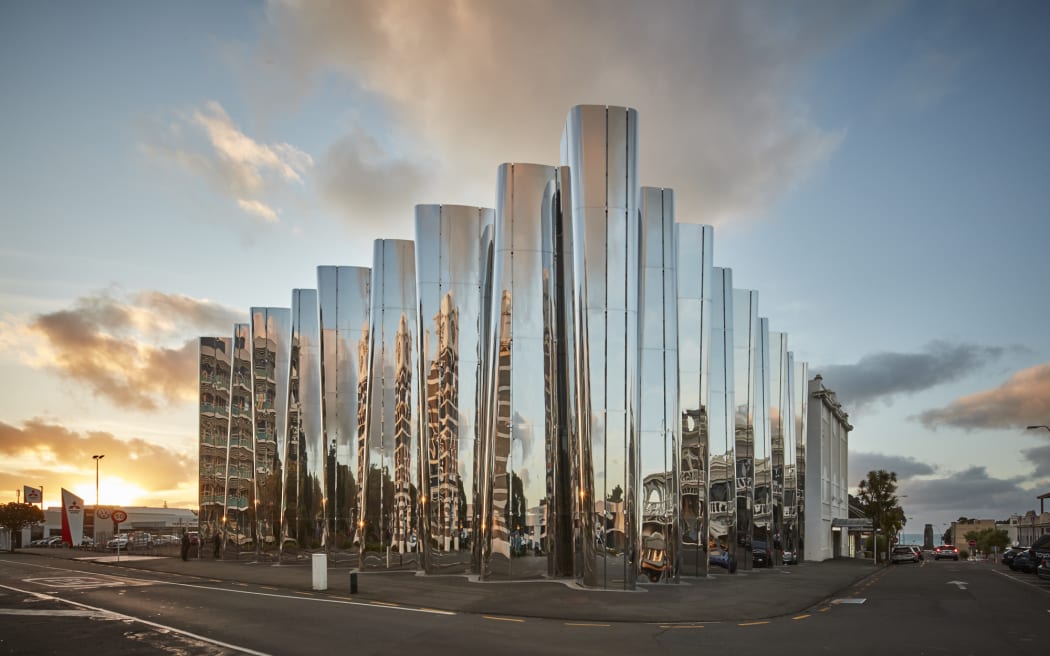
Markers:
(99, 457)
(1037, 427)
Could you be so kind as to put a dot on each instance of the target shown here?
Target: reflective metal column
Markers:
(762, 522)
(694, 245)
(745, 368)
(240, 456)
(307, 452)
(790, 533)
(343, 295)
(721, 470)
(271, 339)
(392, 494)
(800, 387)
(214, 375)
(779, 409)
(449, 284)
(599, 146)
(521, 433)
(659, 435)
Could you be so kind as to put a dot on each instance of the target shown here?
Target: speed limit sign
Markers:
(119, 516)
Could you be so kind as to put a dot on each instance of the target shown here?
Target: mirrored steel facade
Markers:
(721, 468)
(393, 491)
(305, 508)
(599, 147)
(271, 339)
(239, 519)
(660, 488)
(214, 376)
(343, 298)
(520, 433)
(745, 371)
(561, 387)
(449, 278)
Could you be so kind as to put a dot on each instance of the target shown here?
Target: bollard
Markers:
(320, 571)
(353, 582)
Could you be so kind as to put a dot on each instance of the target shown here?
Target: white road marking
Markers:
(155, 625)
(1041, 588)
(86, 582)
(960, 584)
(95, 615)
(849, 600)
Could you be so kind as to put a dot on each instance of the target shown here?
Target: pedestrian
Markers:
(217, 541)
(185, 544)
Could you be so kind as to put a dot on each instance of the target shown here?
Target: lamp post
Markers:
(94, 520)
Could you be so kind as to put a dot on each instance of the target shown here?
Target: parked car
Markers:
(1043, 570)
(1041, 547)
(1025, 562)
(904, 555)
(918, 551)
(55, 541)
(946, 551)
(791, 558)
(1011, 553)
(42, 542)
(760, 554)
(722, 558)
(121, 542)
(162, 540)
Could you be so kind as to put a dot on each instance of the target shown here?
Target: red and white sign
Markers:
(119, 516)
(33, 494)
(103, 513)
(72, 518)
(973, 543)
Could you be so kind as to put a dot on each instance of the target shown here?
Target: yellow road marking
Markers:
(800, 617)
(824, 609)
(752, 623)
(584, 624)
(304, 593)
(502, 619)
(385, 603)
(267, 587)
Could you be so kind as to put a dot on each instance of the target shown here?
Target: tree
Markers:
(988, 539)
(877, 495)
(17, 516)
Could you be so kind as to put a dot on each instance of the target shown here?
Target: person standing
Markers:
(185, 544)
(217, 541)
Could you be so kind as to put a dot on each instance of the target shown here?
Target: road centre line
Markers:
(95, 615)
(155, 625)
(681, 626)
(800, 617)
(585, 624)
(752, 623)
(503, 619)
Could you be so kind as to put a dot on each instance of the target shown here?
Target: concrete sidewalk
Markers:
(758, 594)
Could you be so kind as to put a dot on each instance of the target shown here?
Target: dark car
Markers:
(760, 554)
(1043, 570)
(1041, 547)
(946, 551)
(1024, 562)
(722, 558)
(1011, 553)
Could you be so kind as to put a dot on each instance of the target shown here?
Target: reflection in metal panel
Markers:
(305, 520)
(449, 284)
(271, 338)
(391, 495)
(215, 361)
(790, 532)
(565, 473)
(800, 406)
(600, 150)
(721, 469)
(745, 349)
(343, 297)
(694, 276)
(779, 409)
(240, 525)
(521, 431)
(658, 437)
(762, 515)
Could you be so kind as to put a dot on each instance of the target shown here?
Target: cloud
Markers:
(482, 83)
(969, 493)
(1024, 399)
(906, 467)
(1039, 457)
(133, 352)
(207, 143)
(41, 452)
(883, 375)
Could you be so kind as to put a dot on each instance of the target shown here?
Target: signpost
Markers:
(118, 517)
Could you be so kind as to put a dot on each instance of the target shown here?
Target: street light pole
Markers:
(94, 525)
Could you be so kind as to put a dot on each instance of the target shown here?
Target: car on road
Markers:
(1041, 547)
(1011, 553)
(1043, 570)
(760, 554)
(1025, 562)
(946, 551)
(119, 542)
(904, 555)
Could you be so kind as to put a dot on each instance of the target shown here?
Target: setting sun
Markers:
(113, 491)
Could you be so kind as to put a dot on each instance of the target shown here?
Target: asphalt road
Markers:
(78, 607)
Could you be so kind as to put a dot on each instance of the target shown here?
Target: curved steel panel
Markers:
(306, 473)
(270, 342)
(762, 525)
(659, 490)
(521, 430)
(392, 492)
(600, 150)
(239, 519)
(721, 468)
(343, 297)
(449, 258)
(694, 250)
(787, 421)
(800, 407)
(745, 348)
(777, 386)
(215, 374)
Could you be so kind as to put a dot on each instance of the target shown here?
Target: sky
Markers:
(878, 171)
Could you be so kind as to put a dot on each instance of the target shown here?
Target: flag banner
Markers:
(72, 518)
(32, 494)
